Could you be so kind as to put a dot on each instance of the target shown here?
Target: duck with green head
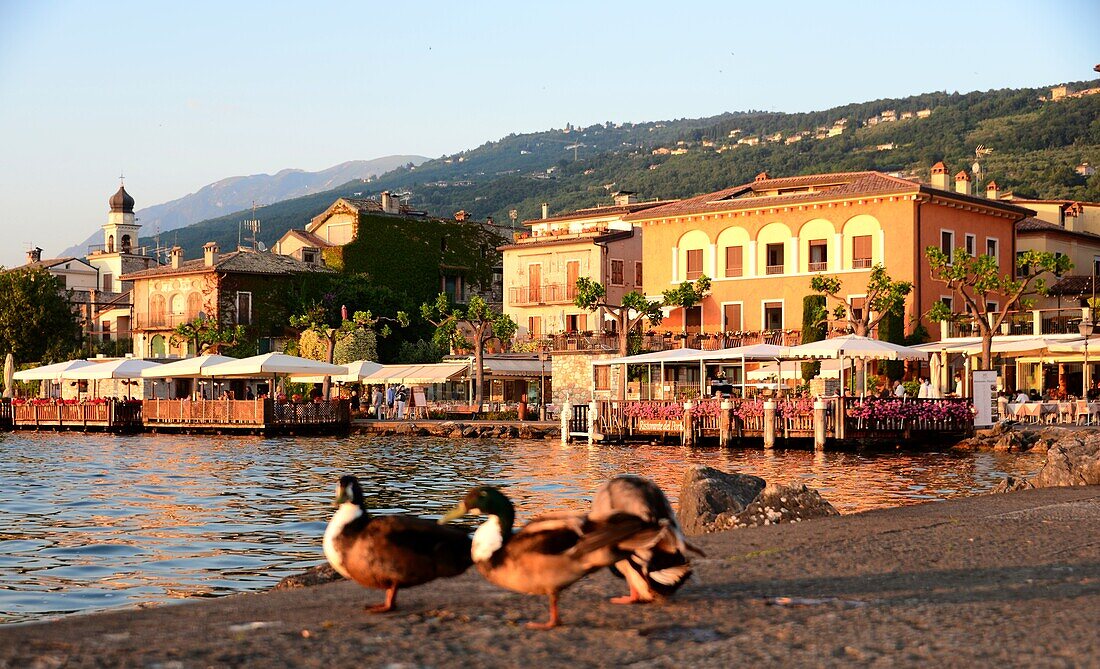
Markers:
(390, 552)
(551, 552)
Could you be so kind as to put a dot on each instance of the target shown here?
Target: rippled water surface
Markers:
(92, 522)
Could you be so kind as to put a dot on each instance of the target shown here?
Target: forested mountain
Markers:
(1036, 145)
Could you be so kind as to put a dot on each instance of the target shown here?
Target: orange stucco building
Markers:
(762, 242)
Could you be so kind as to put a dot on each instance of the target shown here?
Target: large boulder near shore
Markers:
(319, 575)
(1071, 461)
(708, 493)
(784, 504)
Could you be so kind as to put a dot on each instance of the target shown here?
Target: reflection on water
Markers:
(93, 522)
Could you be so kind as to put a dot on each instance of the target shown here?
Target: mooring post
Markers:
(725, 423)
(819, 425)
(565, 417)
(769, 424)
(592, 418)
(688, 438)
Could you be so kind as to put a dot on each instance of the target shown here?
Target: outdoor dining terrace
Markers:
(839, 420)
(665, 341)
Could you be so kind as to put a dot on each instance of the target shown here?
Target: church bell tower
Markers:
(120, 234)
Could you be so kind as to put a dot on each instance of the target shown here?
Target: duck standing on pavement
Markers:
(390, 552)
(552, 551)
(651, 571)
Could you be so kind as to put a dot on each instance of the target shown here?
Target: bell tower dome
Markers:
(120, 235)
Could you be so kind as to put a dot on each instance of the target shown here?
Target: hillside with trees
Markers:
(1036, 146)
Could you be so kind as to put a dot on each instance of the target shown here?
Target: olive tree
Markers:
(884, 296)
(631, 310)
(315, 319)
(470, 328)
(977, 280)
(687, 295)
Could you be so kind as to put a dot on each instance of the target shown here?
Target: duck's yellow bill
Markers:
(454, 513)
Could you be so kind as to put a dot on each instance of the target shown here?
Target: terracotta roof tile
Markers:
(604, 210)
(831, 186)
(236, 262)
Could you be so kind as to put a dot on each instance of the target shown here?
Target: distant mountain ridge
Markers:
(238, 193)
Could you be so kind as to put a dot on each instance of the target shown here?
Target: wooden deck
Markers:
(846, 420)
(259, 415)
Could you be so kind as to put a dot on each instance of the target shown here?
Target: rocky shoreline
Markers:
(458, 429)
(992, 580)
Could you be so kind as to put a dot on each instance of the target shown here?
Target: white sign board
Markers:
(985, 398)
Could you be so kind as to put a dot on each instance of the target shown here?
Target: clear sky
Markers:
(178, 95)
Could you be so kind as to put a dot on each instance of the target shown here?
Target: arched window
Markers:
(110, 243)
(194, 305)
(125, 243)
(177, 304)
(156, 310)
(157, 346)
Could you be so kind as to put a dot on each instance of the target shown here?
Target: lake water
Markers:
(90, 522)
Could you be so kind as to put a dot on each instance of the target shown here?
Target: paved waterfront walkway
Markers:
(1002, 580)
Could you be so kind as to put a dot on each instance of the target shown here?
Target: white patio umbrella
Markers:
(189, 368)
(123, 368)
(272, 364)
(50, 372)
(354, 373)
(855, 347)
(830, 369)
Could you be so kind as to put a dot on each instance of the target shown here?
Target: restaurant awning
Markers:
(355, 372)
(669, 356)
(418, 374)
(518, 367)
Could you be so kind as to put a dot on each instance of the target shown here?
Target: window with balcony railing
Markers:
(819, 255)
(861, 252)
(775, 259)
(734, 261)
(694, 264)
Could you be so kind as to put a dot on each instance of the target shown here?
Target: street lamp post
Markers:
(1086, 328)
(542, 375)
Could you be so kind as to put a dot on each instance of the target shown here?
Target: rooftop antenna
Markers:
(980, 152)
(252, 225)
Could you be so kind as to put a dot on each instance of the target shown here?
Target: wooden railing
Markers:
(83, 414)
(245, 413)
(794, 417)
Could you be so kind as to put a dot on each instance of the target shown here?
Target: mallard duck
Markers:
(651, 571)
(390, 552)
(552, 551)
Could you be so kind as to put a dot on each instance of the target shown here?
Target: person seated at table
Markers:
(1034, 395)
(1021, 397)
(1094, 392)
(899, 389)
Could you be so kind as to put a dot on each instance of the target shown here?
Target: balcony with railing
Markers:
(560, 234)
(658, 341)
(1026, 322)
(547, 293)
(773, 269)
(861, 263)
(819, 267)
(160, 321)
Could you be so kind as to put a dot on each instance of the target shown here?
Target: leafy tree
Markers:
(631, 310)
(892, 329)
(814, 328)
(361, 344)
(315, 319)
(37, 322)
(687, 295)
(422, 351)
(884, 295)
(471, 328)
(977, 280)
(206, 335)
